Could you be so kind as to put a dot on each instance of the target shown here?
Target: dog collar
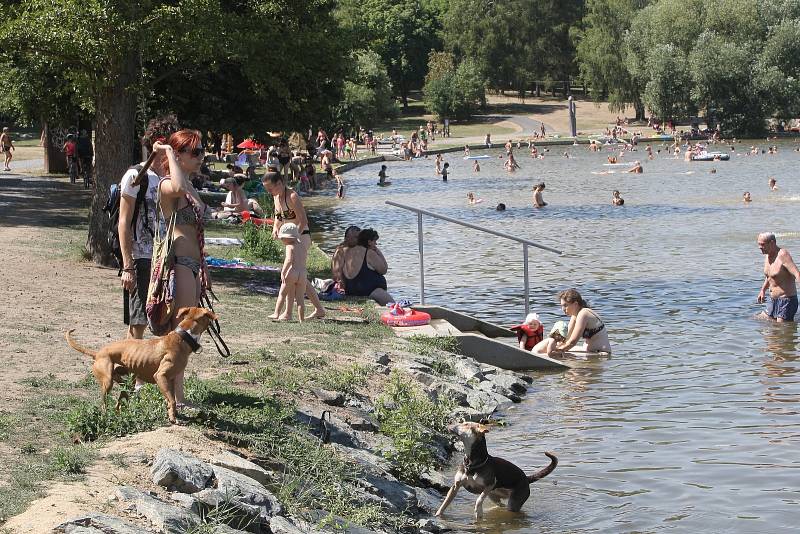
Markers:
(189, 339)
(472, 468)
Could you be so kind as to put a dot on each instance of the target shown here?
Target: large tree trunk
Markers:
(54, 159)
(114, 137)
(638, 106)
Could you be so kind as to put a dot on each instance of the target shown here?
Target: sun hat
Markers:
(289, 230)
(531, 317)
(561, 327)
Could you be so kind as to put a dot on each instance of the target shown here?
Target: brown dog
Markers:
(489, 476)
(157, 361)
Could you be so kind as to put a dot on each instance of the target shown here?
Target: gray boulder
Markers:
(179, 471)
(165, 517)
(428, 500)
(231, 461)
(247, 491)
(443, 389)
(467, 369)
(493, 387)
(98, 523)
(331, 398)
(379, 357)
(509, 381)
(234, 513)
(334, 523)
(400, 496)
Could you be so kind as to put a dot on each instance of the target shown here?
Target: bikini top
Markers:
(186, 215)
(285, 215)
(591, 332)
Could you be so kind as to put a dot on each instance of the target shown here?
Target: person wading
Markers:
(780, 274)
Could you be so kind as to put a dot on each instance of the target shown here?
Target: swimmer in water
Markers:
(476, 167)
(773, 184)
(538, 200)
(438, 164)
(612, 159)
(466, 150)
(637, 168)
(501, 207)
(713, 171)
(616, 199)
(746, 197)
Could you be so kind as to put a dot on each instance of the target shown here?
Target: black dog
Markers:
(487, 476)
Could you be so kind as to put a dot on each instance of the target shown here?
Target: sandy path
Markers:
(43, 291)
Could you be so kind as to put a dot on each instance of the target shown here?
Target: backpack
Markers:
(112, 209)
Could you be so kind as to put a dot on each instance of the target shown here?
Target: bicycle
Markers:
(86, 172)
(72, 168)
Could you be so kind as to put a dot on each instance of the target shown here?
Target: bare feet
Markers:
(285, 317)
(319, 313)
(273, 316)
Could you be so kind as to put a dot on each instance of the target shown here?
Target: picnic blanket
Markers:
(238, 263)
(225, 241)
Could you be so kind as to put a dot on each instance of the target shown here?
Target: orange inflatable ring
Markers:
(255, 220)
(407, 318)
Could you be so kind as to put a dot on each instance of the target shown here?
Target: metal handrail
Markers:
(525, 244)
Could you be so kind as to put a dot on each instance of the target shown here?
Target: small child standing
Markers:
(293, 275)
(444, 172)
(382, 175)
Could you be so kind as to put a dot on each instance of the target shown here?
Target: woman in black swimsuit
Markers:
(583, 323)
(363, 269)
(289, 208)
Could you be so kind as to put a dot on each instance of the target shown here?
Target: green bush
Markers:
(348, 380)
(411, 420)
(70, 461)
(257, 241)
(143, 411)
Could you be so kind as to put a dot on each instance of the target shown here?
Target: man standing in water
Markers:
(780, 274)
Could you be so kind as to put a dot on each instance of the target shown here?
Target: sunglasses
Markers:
(196, 152)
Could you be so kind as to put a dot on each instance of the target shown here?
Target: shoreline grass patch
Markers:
(412, 420)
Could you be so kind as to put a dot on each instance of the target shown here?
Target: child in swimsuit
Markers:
(339, 185)
(558, 334)
(293, 275)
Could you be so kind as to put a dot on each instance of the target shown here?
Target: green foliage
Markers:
(7, 422)
(428, 345)
(666, 93)
(601, 56)
(257, 241)
(367, 94)
(70, 461)
(401, 32)
(349, 380)
(457, 93)
(411, 420)
(313, 476)
(514, 42)
(143, 411)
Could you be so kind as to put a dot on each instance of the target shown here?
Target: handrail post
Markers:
(527, 282)
(421, 260)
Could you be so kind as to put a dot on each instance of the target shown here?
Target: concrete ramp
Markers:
(486, 342)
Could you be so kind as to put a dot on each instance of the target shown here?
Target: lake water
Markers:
(692, 424)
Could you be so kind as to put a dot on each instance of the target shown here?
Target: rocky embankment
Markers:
(234, 490)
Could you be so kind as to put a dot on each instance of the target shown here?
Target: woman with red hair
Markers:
(184, 154)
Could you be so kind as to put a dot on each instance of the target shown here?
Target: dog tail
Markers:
(545, 471)
(77, 347)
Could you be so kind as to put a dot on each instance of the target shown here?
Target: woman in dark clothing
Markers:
(364, 268)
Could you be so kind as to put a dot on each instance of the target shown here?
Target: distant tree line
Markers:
(244, 66)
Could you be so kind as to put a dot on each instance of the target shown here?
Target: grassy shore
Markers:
(54, 434)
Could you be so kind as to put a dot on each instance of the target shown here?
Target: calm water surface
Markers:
(693, 424)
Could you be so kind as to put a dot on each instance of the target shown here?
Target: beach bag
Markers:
(161, 292)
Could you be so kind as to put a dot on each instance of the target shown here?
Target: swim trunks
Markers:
(782, 307)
